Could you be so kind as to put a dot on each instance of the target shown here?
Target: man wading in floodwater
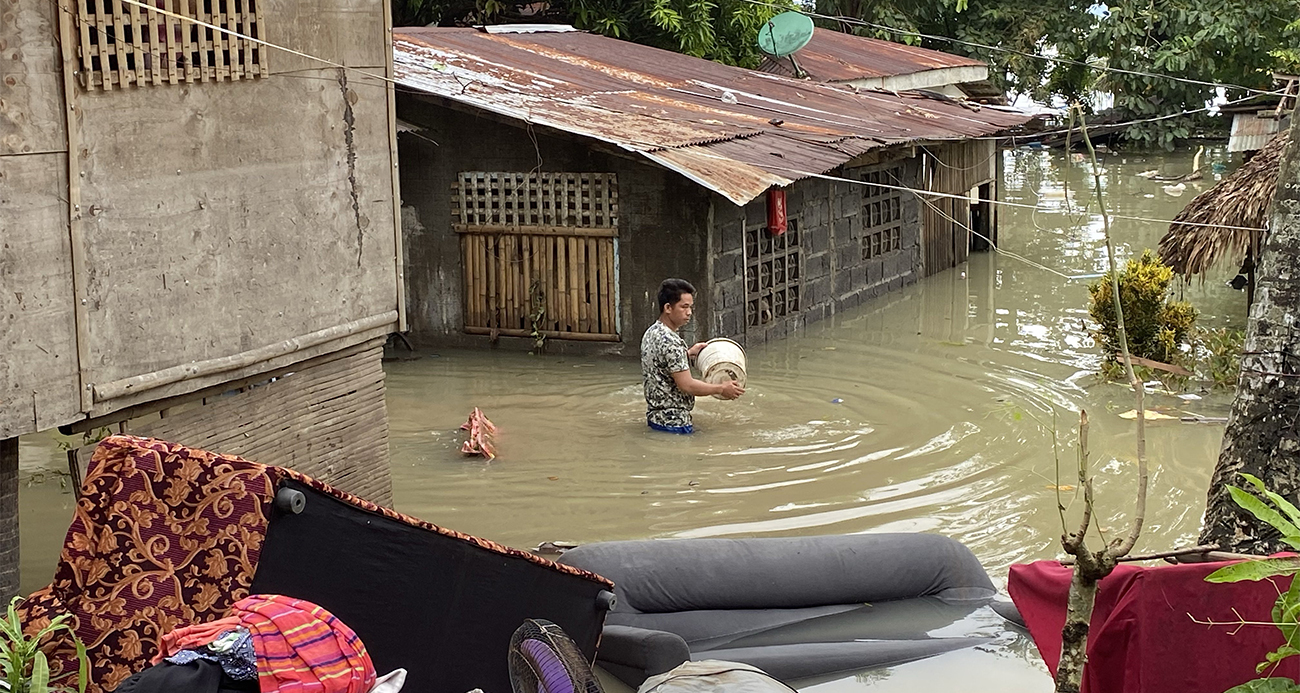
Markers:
(670, 390)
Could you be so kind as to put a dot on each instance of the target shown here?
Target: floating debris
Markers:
(481, 433)
(1148, 414)
(554, 547)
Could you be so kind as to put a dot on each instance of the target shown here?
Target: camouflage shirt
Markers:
(663, 352)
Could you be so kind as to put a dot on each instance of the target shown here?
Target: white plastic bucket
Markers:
(721, 360)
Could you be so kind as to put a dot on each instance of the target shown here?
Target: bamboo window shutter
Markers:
(953, 169)
(122, 44)
(538, 253)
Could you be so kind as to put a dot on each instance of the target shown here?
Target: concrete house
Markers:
(197, 232)
(551, 178)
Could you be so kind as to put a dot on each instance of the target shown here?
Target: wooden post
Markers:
(76, 243)
(390, 95)
(8, 518)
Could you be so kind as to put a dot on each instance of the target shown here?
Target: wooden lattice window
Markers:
(882, 213)
(121, 43)
(539, 253)
(773, 268)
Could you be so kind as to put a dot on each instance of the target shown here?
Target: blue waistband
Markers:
(688, 428)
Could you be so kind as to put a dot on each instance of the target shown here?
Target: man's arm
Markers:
(698, 388)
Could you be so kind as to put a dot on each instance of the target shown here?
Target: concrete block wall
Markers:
(834, 275)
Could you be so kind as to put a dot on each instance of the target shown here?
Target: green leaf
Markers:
(1285, 611)
(1267, 515)
(1274, 684)
(1291, 511)
(40, 682)
(1256, 570)
(83, 665)
(1277, 655)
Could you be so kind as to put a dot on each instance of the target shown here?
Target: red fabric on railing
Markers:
(1143, 636)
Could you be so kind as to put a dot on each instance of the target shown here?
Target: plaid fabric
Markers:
(302, 648)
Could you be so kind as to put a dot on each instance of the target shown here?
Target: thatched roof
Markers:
(1242, 199)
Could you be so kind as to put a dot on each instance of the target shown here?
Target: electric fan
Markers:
(544, 660)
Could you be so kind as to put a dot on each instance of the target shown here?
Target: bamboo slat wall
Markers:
(122, 44)
(955, 169)
(326, 420)
(538, 254)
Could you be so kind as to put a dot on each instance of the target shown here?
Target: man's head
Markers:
(676, 301)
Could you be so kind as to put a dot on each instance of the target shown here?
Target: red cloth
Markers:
(302, 648)
(1142, 636)
(193, 637)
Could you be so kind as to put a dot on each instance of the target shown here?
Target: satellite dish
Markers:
(784, 34)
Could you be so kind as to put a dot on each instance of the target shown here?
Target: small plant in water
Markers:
(1220, 355)
(1158, 328)
(24, 665)
(1284, 517)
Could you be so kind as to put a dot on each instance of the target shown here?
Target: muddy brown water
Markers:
(930, 409)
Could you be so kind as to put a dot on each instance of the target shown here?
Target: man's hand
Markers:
(730, 390)
(698, 388)
(695, 350)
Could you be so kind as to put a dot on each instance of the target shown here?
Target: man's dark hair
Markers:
(670, 292)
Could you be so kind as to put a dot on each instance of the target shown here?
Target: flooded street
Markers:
(929, 409)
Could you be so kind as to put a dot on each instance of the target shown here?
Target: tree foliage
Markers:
(1237, 42)
(721, 30)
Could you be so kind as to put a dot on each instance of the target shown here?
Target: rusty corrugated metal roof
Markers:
(1251, 131)
(833, 56)
(737, 132)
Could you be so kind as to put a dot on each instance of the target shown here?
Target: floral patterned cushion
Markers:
(164, 536)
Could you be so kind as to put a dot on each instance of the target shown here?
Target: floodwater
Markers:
(931, 409)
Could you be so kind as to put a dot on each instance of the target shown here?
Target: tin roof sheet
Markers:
(1251, 131)
(834, 56)
(735, 131)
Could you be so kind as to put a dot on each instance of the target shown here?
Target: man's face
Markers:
(679, 313)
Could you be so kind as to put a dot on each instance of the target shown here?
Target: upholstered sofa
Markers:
(794, 607)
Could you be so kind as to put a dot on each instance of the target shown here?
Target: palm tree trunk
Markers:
(1262, 437)
(8, 518)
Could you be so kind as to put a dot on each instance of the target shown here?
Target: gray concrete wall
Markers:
(215, 218)
(38, 349)
(662, 219)
(835, 277)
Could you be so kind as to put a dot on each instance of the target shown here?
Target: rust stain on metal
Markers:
(735, 131)
(833, 56)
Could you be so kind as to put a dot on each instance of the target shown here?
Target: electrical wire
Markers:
(1019, 205)
(998, 249)
(1030, 137)
(1064, 61)
(241, 36)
